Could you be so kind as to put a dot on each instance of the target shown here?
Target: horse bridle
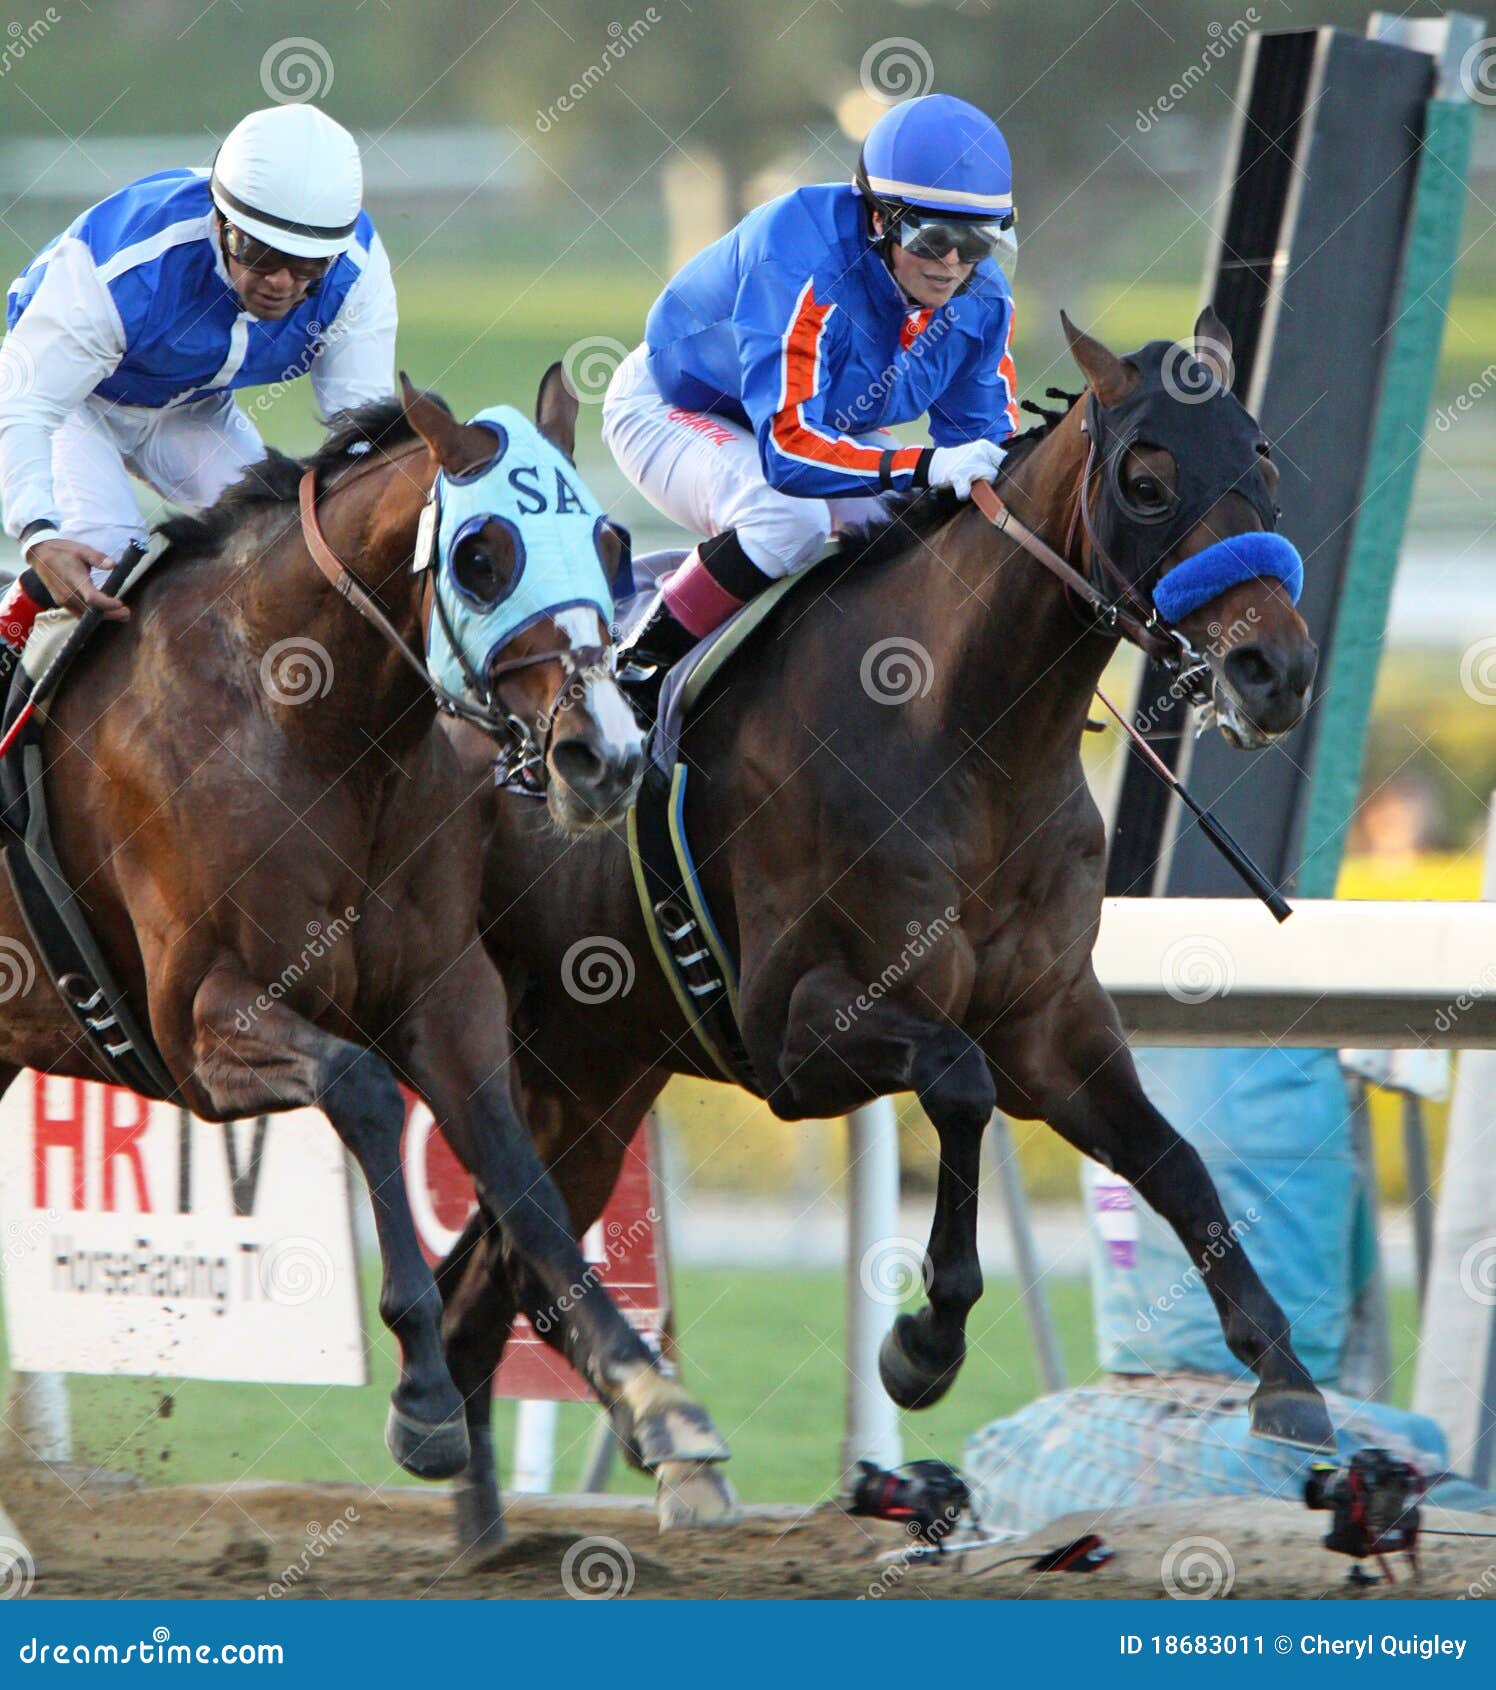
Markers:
(1128, 615)
(520, 764)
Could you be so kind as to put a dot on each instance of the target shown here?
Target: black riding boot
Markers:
(646, 657)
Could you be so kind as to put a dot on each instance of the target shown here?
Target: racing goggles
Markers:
(934, 237)
(255, 255)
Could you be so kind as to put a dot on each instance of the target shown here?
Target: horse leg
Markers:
(251, 1061)
(892, 1049)
(1099, 1105)
(471, 1099)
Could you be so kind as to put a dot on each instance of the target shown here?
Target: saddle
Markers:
(54, 913)
(694, 958)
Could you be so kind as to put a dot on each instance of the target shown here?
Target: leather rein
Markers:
(520, 765)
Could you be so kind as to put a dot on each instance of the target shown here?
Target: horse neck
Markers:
(371, 528)
(1025, 664)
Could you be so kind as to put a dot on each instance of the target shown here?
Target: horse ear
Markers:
(1109, 377)
(556, 410)
(456, 446)
(1213, 345)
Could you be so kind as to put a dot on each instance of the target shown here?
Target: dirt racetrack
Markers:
(281, 1540)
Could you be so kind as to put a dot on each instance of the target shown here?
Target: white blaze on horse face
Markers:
(602, 700)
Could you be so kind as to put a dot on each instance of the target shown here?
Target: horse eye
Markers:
(476, 572)
(1146, 491)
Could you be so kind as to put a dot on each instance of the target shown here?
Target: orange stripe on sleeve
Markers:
(791, 434)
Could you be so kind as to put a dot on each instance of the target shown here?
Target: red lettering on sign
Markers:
(122, 1142)
(56, 1129)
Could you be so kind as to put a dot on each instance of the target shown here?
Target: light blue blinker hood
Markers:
(533, 489)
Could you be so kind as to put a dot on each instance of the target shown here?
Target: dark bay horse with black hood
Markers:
(830, 821)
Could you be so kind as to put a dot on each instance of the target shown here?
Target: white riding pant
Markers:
(704, 472)
(187, 454)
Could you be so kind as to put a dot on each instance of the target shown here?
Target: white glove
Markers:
(957, 467)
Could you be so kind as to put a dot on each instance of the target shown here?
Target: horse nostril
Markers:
(577, 763)
(1250, 672)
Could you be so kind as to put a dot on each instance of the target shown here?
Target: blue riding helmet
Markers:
(939, 154)
(533, 489)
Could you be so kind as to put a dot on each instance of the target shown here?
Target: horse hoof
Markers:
(910, 1380)
(1297, 1417)
(428, 1449)
(692, 1494)
(667, 1425)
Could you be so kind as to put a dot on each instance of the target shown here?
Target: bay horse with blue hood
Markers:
(256, 757)
(831, 817)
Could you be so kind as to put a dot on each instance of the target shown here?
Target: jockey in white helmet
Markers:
(129, 333)
(756, 411)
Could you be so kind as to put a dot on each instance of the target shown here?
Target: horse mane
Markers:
(380, 425)
(916, 516)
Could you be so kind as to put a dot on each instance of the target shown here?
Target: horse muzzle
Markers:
(1262, 690)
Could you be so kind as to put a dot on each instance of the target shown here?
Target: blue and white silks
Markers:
(532, 489)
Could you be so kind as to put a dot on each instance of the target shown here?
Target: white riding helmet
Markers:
(291, 177)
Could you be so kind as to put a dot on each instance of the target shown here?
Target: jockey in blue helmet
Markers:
(756, 412)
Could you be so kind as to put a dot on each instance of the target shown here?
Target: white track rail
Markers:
(1337, 973)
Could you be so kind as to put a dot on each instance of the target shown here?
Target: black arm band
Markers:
(35, 589)
(921, 477)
